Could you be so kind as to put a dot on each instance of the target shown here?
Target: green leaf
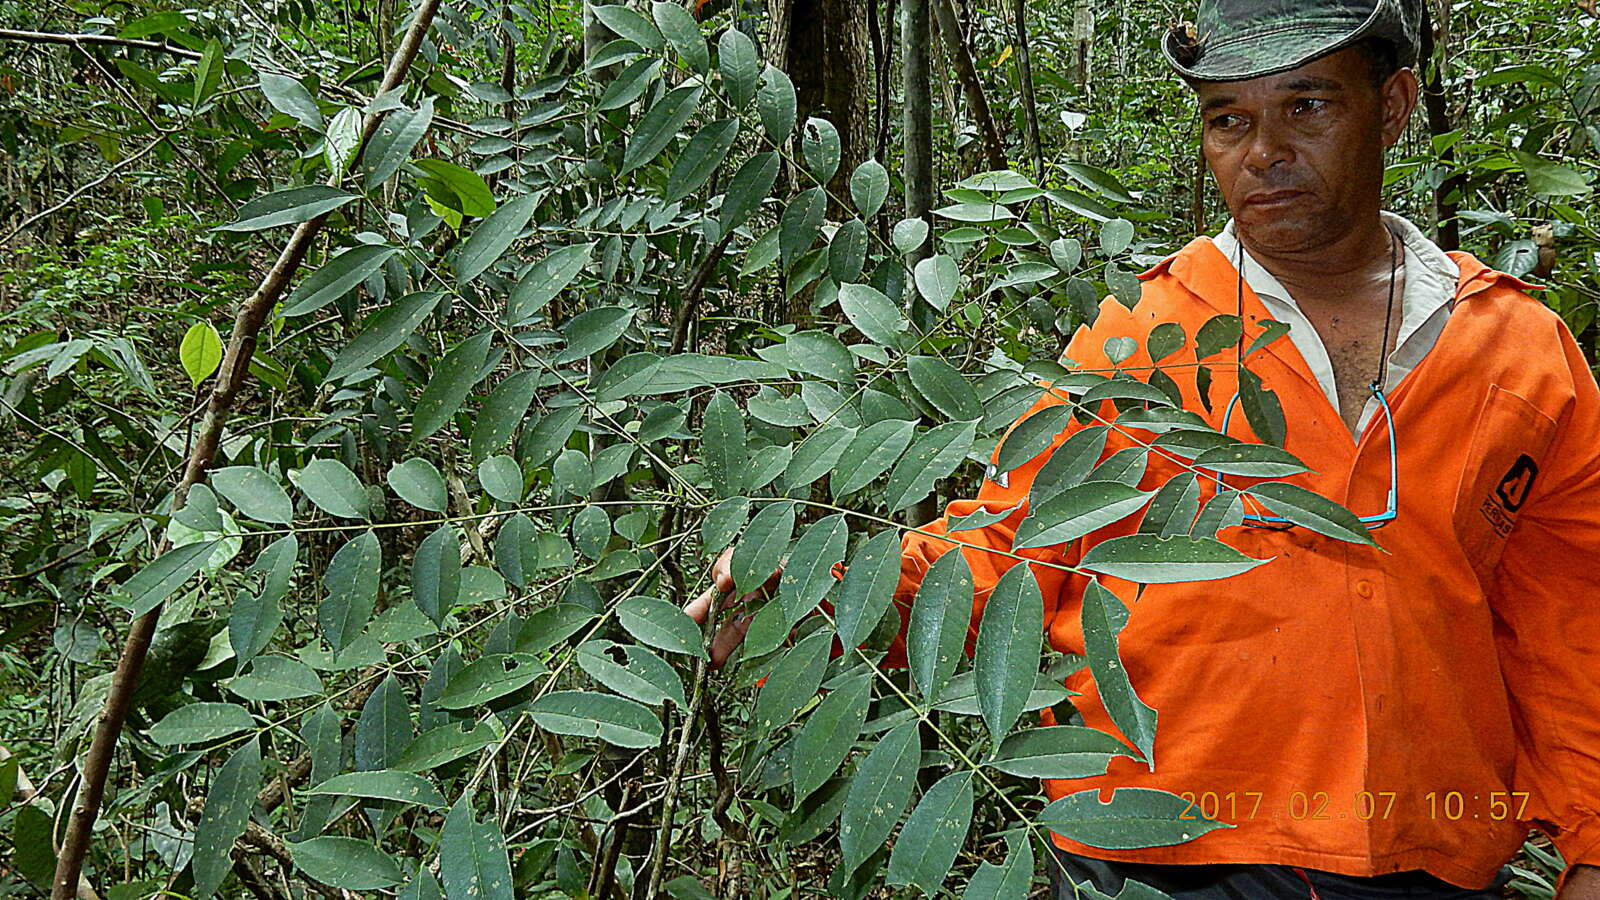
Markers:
(197, 723)
(352, 585)
(660, 124)
(383, 331)
(466, 186)
(332, 487)
(867, 587)
(944, 387)
(1270, 331)
(548, 277)
(489, 678)
(939, 619)
(720, 525)
(748, 187)
(793, 682)
(683, 33)
(1098, 180)
(873, 314)
(776, 103)
(1312, 510)
(629, 24)
(816, 456)
(1007, 652)
(1077, 511)
(391, 145)
(819, 144)
(200, 352)
(444, 744)
(436, 573)
(588, 714)
(1033, 435)
(1251, 461)
(383, 784)
(938, 277)
(828, 734)
(756, 556)
(1165, 339)
(287, 207)
(503, 410)
(869, 185)
(342, 140)
(501, 478)
(799, 225)
(704, 153)
(909, 234)
(740, 67)
(571, 472)
(254, 493)
(33, 840)
(593, 330)
(1057, 751)
(661, 625)
(932, 456)
(1102, 616)
(1134, 817)
(1115, 236)
(879, 792)
(229, 800)
(346, 862)
(1066, 253)
(1262, 409)
(472, 856)
(418, 482)
(1011, 879)
(290, 97)
(253, 621)
(276, 678)
(1174, 507)
(630, 84)
(934, 832)
(492, 236)
(819, 353)
(153, 584)
(847, 251)
(1217, 333)
(447, 389)
(1147, 559)
(336, 277)
(1549, 179)
(873, 450)
(644, 677)
(809, 574)
(726, 455)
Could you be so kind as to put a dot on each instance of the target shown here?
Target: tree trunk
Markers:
(829, 58)
(955, 43)
(1447, 196)
(1030, 110)
(917, 170)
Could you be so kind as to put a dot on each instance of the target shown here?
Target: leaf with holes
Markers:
(1133, 818)
(776, 103)
(588, 714)
(489, 678)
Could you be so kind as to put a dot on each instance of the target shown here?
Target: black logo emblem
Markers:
(1514, 487)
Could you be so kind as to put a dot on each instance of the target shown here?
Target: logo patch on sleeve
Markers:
(1501, 505)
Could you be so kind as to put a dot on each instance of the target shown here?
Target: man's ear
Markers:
(1399, 97)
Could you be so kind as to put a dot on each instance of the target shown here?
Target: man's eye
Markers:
(1308, 105)
(1226, 120)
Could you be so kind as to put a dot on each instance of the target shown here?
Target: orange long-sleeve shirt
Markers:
(1347, 708)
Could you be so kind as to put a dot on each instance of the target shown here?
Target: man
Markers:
(1373, 722)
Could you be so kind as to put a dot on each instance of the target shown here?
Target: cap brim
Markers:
(1265, 52)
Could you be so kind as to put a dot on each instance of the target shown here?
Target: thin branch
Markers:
(78, 40)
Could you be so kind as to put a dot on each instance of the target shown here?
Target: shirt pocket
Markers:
(1504, 456)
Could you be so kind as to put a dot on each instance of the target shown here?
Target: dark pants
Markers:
(1250, 882)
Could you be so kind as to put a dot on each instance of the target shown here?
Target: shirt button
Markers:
(1364, 588)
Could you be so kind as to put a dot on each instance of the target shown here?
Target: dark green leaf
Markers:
(548, 277)
(629, 24)
(352, 584)
(819, 144)
(255, 493)
(748, 187)
(869, 185)
(727, 457)
(645, 677)
(704, 153)
(1217, 333)
(932, 456)
(384, 330)
(793, 682)
(926, 847)
(1103, 616)
(757, 555)
(1057, 751)
(867, 587)
(489, 678)
(776, 103)
(155, 583)
(809, 574)
(336, 277)
(587, 714)
(1034, 435)
(447, 389)
(436, 573)
(384, 729)
(828, 734)
(661, 625)
(939, 619)
(944, 387)
(1312, 510)
(873, 314)
(198, 723)
(228, 804)
(472, 856)
(593, 330)
(418, 482)
(492, 236)
(879, 792)
(1147, 559)
(345, 862)
(444, 744)
(1007, 652)
(660, 124)
(290, 97)
(383, 784)
(288, 207)
(391, 145)
(1134, 817)
(683, 33)
(870, 453)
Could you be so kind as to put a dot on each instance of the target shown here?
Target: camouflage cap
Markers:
(1231, 40)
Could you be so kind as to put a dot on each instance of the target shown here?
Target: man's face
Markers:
(1298, 155)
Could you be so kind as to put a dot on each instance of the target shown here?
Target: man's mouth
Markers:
(1273, 198)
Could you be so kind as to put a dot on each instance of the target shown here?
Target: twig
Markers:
(691, 294)
(67, 200)
(228, 381)
(77, 40)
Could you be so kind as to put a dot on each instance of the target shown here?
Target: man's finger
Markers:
(728, 639)
(699, 606)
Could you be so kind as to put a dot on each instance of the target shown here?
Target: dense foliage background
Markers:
(409, 418)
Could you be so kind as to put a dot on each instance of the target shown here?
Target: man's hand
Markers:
(732, 632)
(1583, 883)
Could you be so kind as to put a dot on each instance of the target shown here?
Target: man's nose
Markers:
(1268, 147)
